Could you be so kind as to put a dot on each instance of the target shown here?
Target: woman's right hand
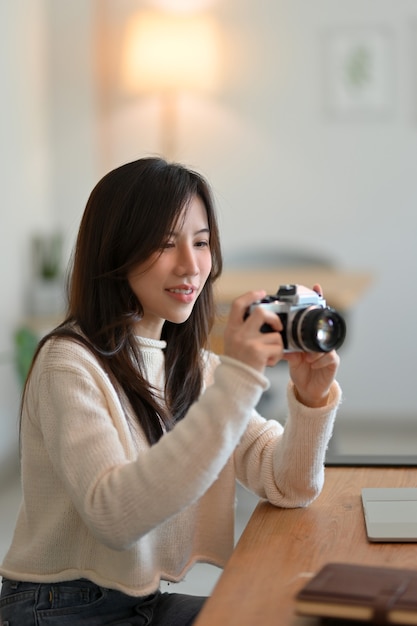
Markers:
(243, 339)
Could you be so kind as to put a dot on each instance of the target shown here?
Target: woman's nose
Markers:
(187, 262)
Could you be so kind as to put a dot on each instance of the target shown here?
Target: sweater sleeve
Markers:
(119, 498)
(286, 464)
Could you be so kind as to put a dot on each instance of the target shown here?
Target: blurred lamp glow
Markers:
(182, 5)
(166, 52)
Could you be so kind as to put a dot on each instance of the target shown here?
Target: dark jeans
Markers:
(82, 603)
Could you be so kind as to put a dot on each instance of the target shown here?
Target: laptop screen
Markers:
(372, 442)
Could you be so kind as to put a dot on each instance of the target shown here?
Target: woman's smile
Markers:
(183, 293)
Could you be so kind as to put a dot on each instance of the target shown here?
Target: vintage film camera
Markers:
(309, 325)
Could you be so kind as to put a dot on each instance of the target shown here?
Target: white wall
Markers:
(284, 172)
(24, 181)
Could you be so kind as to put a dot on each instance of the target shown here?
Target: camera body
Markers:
(308, 324)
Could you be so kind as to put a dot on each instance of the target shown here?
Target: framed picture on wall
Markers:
(358, 72)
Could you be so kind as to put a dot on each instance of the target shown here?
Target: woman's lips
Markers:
(182, 294)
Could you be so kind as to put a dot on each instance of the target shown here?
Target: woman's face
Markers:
(169, 283)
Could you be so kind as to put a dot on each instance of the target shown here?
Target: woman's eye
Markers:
(168, 244)
(203, 244)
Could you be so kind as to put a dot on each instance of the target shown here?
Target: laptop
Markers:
(390, 513)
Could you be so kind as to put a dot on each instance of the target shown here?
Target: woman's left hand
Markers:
(313, 373)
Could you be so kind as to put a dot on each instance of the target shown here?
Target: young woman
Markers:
(133, 433)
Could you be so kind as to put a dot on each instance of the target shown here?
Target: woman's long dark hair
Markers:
(128, 217)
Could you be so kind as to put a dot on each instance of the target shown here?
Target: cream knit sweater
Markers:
(99, 503)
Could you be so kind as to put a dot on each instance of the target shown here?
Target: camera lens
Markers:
(318, 330)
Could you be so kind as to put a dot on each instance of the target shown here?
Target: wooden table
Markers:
(281, 548)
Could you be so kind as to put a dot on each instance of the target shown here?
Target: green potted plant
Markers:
(46, 290)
